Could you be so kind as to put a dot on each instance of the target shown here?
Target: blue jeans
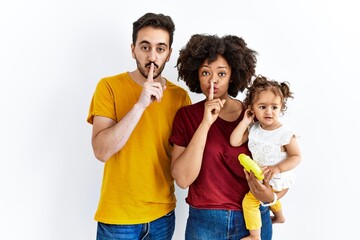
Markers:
(159, 229)
(223, 224)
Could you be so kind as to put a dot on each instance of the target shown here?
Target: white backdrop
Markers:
(53, 53)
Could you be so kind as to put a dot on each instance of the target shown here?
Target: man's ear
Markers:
(168, 58)
(132, 46)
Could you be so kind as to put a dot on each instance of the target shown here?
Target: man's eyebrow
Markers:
(158, 44)
(144, 41)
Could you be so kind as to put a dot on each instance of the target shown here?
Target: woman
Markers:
(202, 157)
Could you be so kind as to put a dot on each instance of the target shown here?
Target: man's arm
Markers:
(109, 136)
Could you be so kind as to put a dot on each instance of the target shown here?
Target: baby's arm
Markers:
(292, 160)
(240, 134)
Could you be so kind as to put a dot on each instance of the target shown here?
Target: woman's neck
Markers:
(231, 110)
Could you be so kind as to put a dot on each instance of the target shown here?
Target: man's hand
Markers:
(151, 90)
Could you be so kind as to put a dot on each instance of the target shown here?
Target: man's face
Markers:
(152, 46)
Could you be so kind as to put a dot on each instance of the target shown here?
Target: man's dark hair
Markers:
(154, 20)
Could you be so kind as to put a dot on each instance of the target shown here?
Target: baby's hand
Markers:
(248, 116)
(270, 171)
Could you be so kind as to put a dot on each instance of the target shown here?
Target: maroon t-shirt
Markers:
(221, 183)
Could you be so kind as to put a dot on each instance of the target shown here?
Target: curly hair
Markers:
(156, 21)
(261, 83)
(201, 47)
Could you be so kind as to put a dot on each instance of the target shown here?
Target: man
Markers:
(132, 115)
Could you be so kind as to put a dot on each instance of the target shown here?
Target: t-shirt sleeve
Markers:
(102, 103)
(178, 134)
(287, 135)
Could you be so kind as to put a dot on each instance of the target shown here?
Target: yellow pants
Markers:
(252, 213)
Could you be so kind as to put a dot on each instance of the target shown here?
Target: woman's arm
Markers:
(186, 161)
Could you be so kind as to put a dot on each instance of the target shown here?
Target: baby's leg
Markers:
(276, 209)
(254, 235)
(278, 217)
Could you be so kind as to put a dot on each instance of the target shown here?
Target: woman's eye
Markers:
(204, 73)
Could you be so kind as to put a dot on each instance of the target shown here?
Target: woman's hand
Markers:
(212, 110)
(261, 190)
(212, 106)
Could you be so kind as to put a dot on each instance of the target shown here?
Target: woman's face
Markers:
(218, 72)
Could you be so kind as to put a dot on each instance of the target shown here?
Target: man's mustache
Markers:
(148, 65)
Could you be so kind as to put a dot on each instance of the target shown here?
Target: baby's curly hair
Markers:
(261, 83)
(201, 47)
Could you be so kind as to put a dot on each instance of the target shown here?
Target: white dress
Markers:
(265, 147)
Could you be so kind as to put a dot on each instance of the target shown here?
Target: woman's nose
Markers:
(212, 80)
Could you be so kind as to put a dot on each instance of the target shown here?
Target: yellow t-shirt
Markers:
(137, 185)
